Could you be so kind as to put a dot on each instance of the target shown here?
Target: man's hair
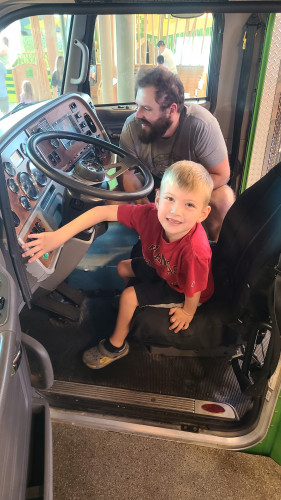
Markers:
(160, 59)
(190, 176)
(160, 43)
(168, 87)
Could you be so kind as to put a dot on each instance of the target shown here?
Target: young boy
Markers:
(176, 268)
(160, 62)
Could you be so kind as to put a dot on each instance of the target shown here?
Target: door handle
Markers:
(84, 63)
(16, 361)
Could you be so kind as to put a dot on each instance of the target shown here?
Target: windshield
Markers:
(32, 55)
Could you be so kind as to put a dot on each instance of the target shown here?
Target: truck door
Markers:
(25, 431)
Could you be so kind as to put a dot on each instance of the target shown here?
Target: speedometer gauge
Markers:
(27, 185)
(25, 203)
(40, 178)
(9, 168)
(13, 186)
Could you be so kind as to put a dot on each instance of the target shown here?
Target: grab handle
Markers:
(84, 65)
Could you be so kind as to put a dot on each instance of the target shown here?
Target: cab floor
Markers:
(191, 377)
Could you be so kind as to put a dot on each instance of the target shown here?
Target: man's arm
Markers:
(209, 145)
(129, 181)
(220, 173)
(47, 241)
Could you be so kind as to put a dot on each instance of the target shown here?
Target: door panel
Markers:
(15, 397)
(20, 406)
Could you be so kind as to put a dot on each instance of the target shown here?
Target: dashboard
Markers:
(30, 191)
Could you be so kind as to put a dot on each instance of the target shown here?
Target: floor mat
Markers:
(199, 378)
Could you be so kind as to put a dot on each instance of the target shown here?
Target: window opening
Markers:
(124, 43)
(31, 50)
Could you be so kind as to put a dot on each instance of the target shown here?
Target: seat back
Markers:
(249, 245)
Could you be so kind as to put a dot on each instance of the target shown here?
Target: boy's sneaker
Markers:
(98, 357)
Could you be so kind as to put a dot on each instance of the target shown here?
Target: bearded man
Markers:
(164, 130)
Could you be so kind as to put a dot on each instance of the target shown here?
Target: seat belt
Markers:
(251, 28)
(276, 320)
(274, 346)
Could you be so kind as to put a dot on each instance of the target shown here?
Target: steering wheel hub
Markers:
(90, 171)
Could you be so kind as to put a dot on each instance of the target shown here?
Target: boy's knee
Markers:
(121, 269)
(124, 270)
(127, 291)
(129, 295)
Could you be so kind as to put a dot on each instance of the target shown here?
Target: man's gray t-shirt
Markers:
(198, 138)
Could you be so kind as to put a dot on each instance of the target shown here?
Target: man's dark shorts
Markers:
(151, 289)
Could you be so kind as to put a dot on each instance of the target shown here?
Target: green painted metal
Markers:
(276, 448)
(10, 85)
(266, 49)
(271, 444)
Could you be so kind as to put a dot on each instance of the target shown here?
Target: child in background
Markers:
(27, 93)
(57, 75)
(160, 62)
(176, 265)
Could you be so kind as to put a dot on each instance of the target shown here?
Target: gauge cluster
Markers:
(29, 188)
(25, 183)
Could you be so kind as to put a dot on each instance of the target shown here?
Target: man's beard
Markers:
(156, 130)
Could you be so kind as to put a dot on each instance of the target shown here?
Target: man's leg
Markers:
(221, 201)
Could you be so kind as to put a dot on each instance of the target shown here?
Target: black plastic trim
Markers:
(138, 7)
(215, 60)
(14, 248)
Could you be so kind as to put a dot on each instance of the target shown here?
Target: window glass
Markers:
(124, 43)
(32, 52)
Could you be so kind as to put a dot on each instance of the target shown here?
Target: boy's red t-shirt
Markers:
(185, 263)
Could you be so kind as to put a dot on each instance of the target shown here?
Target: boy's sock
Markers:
(111, 348)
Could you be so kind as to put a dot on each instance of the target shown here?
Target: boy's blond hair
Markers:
(190, 176)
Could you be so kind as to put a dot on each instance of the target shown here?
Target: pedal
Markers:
(60, 308)
(76, 296)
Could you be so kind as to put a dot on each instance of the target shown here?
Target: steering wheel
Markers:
(93, 173)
